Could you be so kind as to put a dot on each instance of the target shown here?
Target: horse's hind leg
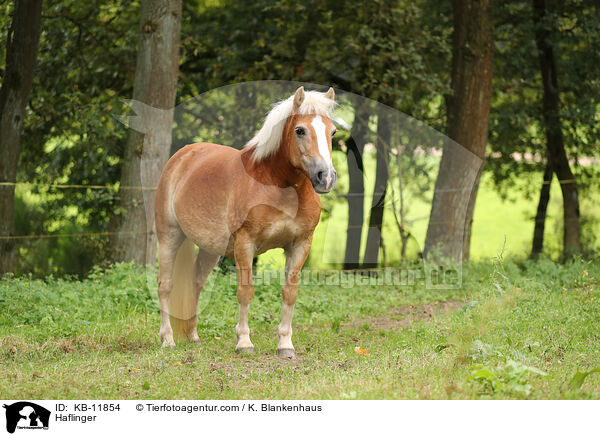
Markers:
(169, 243)
(244, 252)
(205, 263)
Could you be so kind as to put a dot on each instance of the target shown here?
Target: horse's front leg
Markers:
(296, 254)
(244, 250)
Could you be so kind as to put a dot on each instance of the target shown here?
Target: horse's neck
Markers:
(275, 170)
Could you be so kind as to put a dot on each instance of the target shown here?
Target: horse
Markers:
(241, 203)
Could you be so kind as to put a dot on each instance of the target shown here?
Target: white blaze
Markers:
(319, 127)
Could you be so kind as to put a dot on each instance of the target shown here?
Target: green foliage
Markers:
(517, 140)
(58, 256)
(379, 49)
(64, 307)
(512, 377)
(85, 67)
(580, 377)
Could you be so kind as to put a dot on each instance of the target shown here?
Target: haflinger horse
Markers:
(241, 203)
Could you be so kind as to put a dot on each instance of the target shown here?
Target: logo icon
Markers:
(26, 415)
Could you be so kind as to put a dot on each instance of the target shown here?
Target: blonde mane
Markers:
(268, 138)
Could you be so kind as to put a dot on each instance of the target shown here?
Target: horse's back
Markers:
(197, 155)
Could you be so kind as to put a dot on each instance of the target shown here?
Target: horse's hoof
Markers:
(287, 353)
(167, 343)
(244, 350)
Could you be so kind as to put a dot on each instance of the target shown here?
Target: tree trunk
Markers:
(449, 230)
(557, 155)
(466, 246)
(374, 240)
(537, 245)
(356, 189)
(148, 144)
(21, 52)
(401, 215)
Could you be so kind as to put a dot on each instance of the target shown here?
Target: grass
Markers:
(515, 329)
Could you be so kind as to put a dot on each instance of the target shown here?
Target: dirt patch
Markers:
(13, 347)
(262, 362)
(405, 316)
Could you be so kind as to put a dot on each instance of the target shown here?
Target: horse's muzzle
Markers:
(323, 178)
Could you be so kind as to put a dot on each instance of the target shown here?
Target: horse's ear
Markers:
(330, 94)
(298, 98)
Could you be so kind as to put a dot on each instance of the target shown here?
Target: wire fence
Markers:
(74, 186)
(71, 235)
(59, 186)
(153, 188)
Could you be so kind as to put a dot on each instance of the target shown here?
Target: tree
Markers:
(468, 108)
(518, 145)
(356, 186)
(540, 217)
(21, 51)
(146, 153)
(382, 175)
(557, 156)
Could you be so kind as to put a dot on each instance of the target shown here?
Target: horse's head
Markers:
(309, 140)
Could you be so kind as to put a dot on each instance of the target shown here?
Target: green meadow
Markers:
(515, 329)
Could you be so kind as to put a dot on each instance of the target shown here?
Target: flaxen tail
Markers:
(183, 300)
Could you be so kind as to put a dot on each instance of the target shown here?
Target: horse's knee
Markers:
(289, 293)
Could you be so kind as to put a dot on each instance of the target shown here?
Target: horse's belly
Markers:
(279, 235)
(209, 232)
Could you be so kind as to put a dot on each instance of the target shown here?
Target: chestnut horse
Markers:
(241, 203)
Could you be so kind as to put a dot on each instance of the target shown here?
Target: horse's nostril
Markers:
(320, 176)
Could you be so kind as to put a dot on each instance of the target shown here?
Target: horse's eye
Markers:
(333, 133)
(300, 131)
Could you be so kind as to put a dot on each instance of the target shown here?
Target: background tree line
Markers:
(515, 83)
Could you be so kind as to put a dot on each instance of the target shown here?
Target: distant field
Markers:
(514, 330)
(499, 224)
